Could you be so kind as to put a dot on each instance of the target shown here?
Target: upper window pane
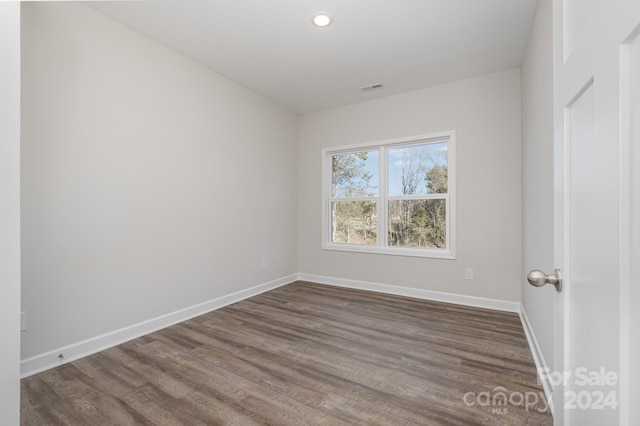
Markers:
(355, 174)
(418, 169)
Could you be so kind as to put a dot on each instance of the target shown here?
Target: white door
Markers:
(596, 65)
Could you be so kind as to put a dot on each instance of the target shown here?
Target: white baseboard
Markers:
(81, 349)
(459, 299)
(538, 358)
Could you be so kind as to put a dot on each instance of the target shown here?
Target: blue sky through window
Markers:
(416, 161)
(352, 181)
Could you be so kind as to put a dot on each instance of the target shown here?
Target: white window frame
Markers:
(382, 198)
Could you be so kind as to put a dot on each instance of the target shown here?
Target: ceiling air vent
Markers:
(372, 87)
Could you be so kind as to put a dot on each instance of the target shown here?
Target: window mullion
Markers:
(440, 196)
(382, 204)
(348, 199)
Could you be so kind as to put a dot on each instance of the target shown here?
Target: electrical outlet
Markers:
(468, 274)
(23, 321)
(263, 264)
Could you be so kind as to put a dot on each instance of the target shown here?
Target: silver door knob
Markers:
(538, 279)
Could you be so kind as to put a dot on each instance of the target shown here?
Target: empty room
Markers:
(365, 212)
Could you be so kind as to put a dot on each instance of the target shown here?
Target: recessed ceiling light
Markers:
(321, 19)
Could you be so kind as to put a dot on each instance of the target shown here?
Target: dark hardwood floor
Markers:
(305, 354)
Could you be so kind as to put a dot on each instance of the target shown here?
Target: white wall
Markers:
(634, 290)
(10, 213)
(149, 183)
(485, 113)
(537, 176)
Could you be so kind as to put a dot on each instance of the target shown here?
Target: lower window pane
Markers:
(354, 222)
(418, 223)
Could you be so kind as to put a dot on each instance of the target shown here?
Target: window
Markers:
(391, 197)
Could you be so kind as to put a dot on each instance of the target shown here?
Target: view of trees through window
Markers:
(414, 195)
(418, 182)
(355, 176)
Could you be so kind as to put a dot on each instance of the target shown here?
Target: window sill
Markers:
(393, 251)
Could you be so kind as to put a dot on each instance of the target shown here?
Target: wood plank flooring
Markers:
(304, 354)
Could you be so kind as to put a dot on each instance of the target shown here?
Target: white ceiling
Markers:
(272, 48)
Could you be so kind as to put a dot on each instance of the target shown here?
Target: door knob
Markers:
(538, 279)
